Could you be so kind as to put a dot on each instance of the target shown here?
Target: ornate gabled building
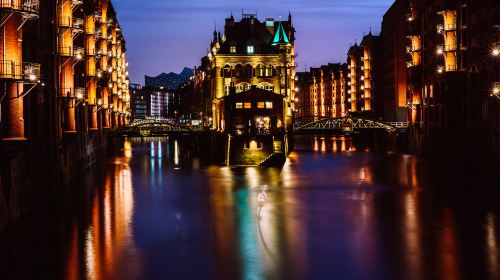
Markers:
(252, 56)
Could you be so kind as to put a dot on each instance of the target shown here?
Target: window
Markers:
(238, 70)
(248, 105)
(250, 49)
(260, 70)
(269, 105)
(247, 71)
(239, 105)
(242, 87)
(269, 70)
(232, 49)
(227, 71)
(261, 105)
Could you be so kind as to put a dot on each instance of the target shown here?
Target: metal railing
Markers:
(64, 21)
(26, 6)
(19, 71)
(78, 24)
(65, 50)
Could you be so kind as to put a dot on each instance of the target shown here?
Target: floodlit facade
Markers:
(363, 78)
(322, 92)
(453, 74)
(252, 55)
(64, 85)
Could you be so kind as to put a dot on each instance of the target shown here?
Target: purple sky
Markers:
(166, 35)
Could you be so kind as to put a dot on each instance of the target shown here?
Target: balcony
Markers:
(66, 50)
(28, 72)
(77, 26)
(29, 8)
(101, 53)
(63, 21)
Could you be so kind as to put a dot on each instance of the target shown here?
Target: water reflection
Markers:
(332, 211)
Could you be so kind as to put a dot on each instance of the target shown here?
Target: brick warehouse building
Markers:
(63, 87)
(453, 74)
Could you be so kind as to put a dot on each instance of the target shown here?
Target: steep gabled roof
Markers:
(280, 38)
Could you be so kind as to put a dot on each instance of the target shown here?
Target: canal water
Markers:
(333, 211)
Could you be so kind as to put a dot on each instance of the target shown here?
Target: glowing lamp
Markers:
(79, 96)
(440, 50)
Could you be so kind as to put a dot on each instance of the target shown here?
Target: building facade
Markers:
(453, 74)
(363, 78)
(64, 84)
(252, 55)
(321, 92)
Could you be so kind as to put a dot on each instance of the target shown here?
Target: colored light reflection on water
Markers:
(333, 210)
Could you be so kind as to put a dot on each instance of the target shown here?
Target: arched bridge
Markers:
(151, 127)
(344, 125)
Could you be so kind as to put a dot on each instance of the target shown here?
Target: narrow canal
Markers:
(333, 211)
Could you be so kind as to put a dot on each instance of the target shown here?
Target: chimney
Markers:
(270, 25)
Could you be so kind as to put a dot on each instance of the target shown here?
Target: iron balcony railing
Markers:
(442, 28)
(65, 50)
(23, 6)
(64, 21)
(25, 71)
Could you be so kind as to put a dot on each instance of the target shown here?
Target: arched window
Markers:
(268, 71)
(238, 70)
(247, 71)
(242, 87)
(227, 71)
(266, 86)
(260, 70)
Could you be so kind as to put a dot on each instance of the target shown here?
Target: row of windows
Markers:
(247, 71)
(260, 105)
(250, 49)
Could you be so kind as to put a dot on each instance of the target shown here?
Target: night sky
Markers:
(166, 35)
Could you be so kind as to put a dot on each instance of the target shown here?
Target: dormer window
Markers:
(232, 49)
(250, 49)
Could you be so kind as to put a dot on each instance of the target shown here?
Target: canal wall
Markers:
(34, 169)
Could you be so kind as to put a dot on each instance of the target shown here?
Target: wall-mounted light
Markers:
(440, 50)
(495, 50)
(440, 69)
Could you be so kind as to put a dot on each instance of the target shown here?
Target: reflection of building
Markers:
(252, 55)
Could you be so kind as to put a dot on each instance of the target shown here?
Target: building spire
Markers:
(280, 37)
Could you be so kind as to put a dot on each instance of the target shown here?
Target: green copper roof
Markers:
(280, 37)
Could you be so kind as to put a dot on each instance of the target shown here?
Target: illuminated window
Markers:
(261, 105)
(239, 105)
(269, 70)
(250, 49)
(269, 105)
(248, 105)
(232, 49)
